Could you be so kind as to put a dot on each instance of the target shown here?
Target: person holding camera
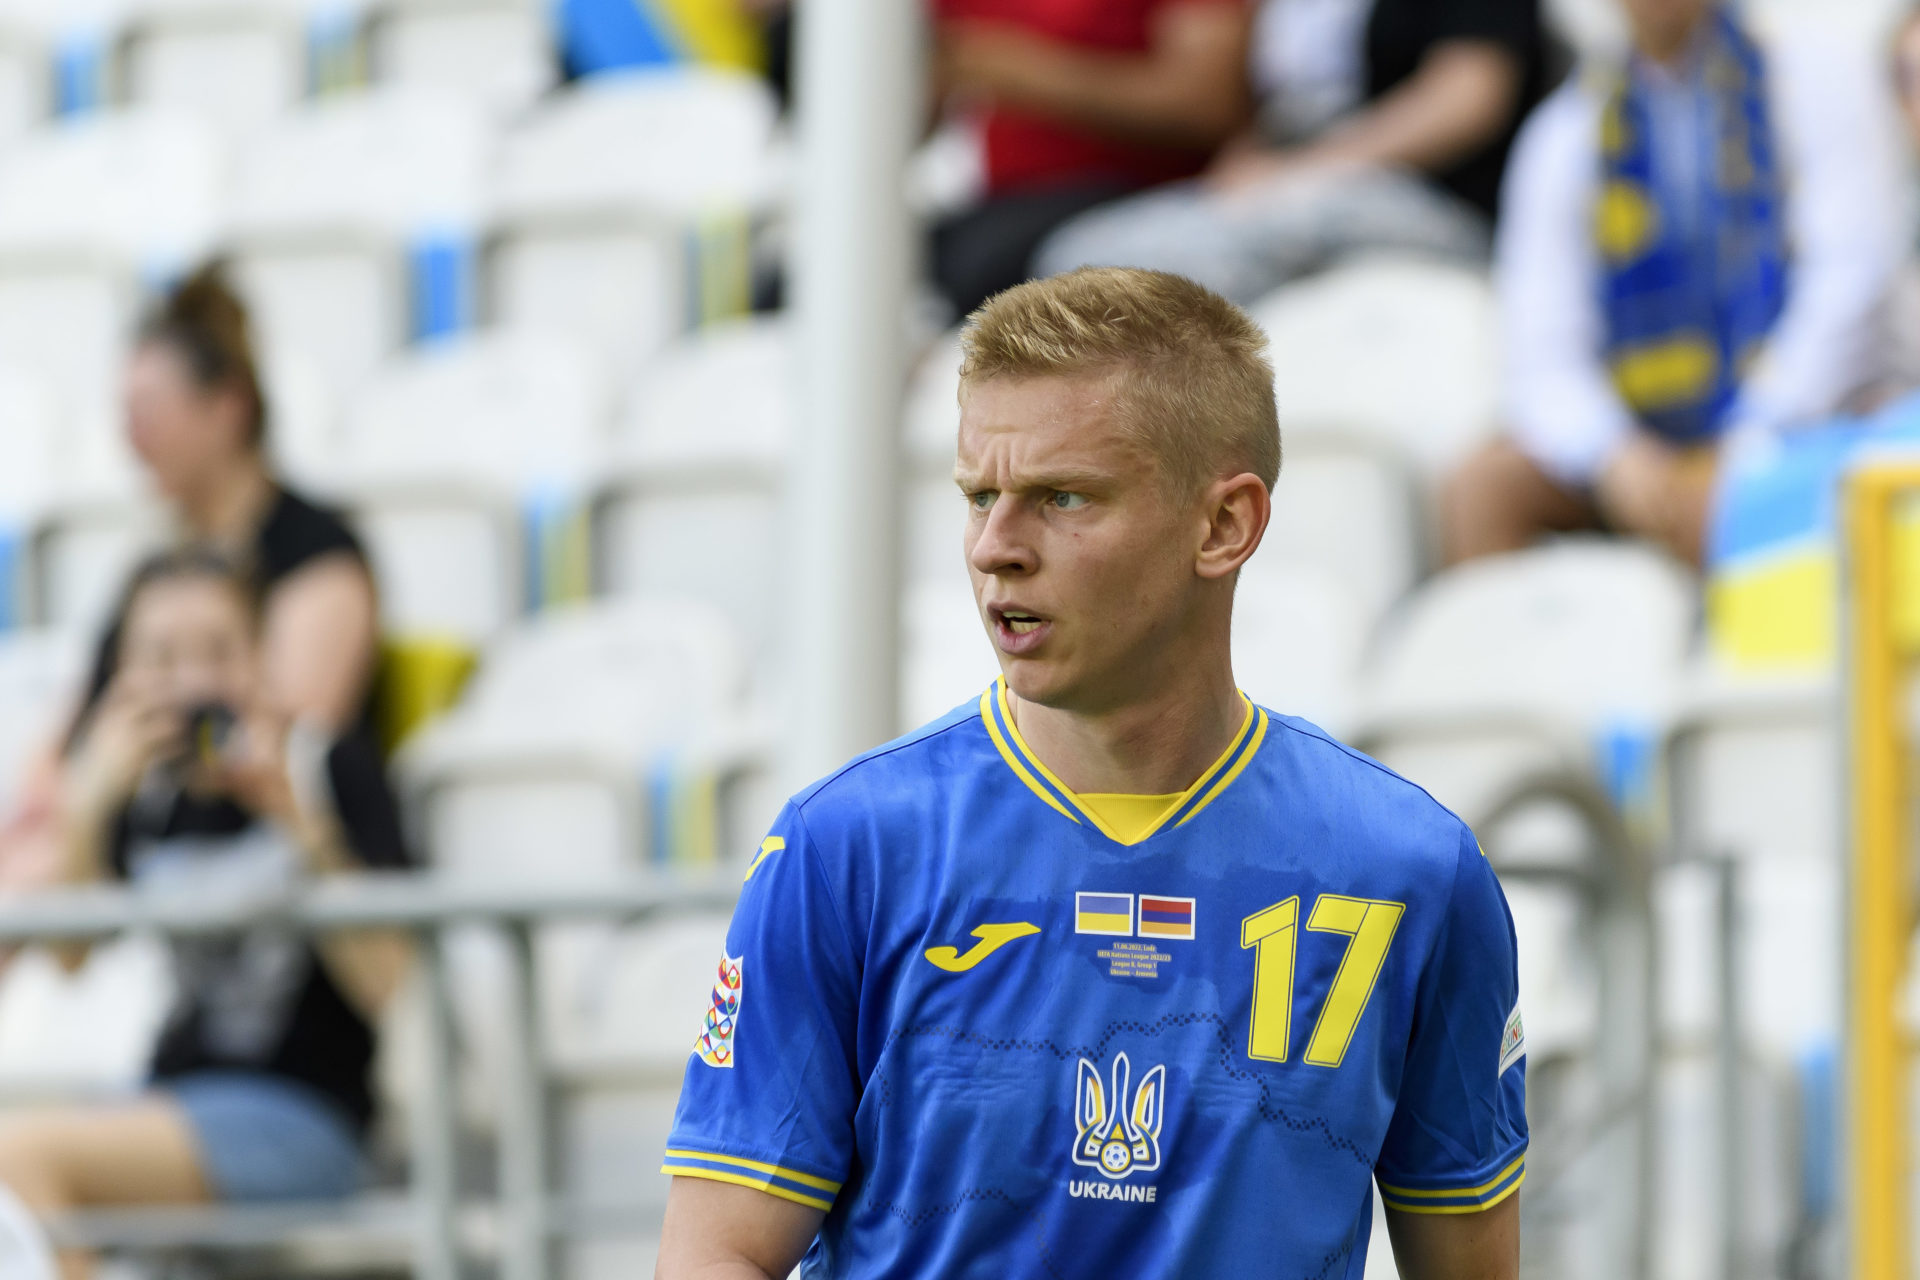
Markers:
(183, 776)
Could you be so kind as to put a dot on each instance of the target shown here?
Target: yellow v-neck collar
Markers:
(997, 715)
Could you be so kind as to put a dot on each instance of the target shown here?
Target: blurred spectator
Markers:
(197, 418)
(1903, 339)
(1695, 253)
(1383, 124)
(187, 777)
(1082, 102)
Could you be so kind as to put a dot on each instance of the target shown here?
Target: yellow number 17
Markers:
(1273, 934)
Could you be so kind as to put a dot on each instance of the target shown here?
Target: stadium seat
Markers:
(592, 738)
(91, 210)
(467, 465)
(30, 474)
(1298, 638)
(355, 224)
(625, 205)
(61, 1034)
(1347, 506)
(935, 515)
(1400, 349)
(946, 656)
(693, 505)
(40, 676)
(26, 85)
(236, 63)
(1541, 658)
(499, 52)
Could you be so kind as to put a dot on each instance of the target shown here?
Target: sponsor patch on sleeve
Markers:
(715, 1045)
(1513, 1041)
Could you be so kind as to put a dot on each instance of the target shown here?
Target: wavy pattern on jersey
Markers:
(1098, 1051)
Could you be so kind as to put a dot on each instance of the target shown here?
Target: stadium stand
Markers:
(693, 503)
(355, 224)
(623, 208)
(467, 464)
(236, 63)
(499, 52)
(492, 304)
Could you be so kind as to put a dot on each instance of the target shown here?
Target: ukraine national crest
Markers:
(715, 1045)
(1119, 1131)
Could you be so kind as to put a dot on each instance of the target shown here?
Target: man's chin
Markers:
(1040, 682)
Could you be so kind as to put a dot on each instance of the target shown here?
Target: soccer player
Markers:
(1109, 973)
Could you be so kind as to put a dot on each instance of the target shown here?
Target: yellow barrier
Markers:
(1880, 914)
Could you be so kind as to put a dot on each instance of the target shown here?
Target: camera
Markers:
(209, 729)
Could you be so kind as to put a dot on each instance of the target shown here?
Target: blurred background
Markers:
(577, 378)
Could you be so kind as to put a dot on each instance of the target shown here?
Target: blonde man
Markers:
(1110, 972)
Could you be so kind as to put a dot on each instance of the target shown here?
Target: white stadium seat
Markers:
(1298, 639)
(694, 504)
(90, 210)
(624, 205)
(237, 63)
(1399, 349)
(1347, 506)
(591, 738)
(500, 52)
(449, 456)
(1506, 665)
(337, 204)
(91, 1031)
(26, 82)
(936, 514)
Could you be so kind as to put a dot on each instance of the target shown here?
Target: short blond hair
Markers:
(1194, 387)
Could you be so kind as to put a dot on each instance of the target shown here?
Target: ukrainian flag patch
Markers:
(1103, 913)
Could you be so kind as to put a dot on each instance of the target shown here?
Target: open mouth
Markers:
(1018, 630)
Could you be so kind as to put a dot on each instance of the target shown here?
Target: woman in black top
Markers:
(197, 418)
(183, 777)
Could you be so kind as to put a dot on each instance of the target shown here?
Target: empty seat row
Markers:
(616, 213)
(240, 63)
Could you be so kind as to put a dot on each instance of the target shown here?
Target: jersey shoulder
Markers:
(1368, 803)
(897, 781)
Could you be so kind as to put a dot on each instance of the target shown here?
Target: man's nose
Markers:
(1004, 544)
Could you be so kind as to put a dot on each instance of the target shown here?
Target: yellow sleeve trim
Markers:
(1453, 1208)
(1454, 1193)
(758, 1166)
(746, 1180)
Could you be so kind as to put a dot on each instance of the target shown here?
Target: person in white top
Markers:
(1695, 254)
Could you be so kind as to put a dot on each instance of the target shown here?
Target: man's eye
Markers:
(1068, 501)
(982, 500)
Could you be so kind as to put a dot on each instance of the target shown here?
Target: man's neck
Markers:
(1670, 50)
(1156, 746)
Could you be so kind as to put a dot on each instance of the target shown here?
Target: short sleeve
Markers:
(1514, 24)
(1458, 1139)
(365, 806)
(771, 1086)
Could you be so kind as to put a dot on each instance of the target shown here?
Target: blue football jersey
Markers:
(991, 1038)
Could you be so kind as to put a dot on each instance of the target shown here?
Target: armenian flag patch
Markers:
(1166, 917)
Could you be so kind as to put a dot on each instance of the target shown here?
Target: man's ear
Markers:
(1237, 510)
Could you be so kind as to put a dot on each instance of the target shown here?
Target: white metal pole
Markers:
(858, 83)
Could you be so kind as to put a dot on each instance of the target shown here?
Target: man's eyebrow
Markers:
(1067, 481)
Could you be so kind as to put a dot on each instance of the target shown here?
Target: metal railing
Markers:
(426, 906)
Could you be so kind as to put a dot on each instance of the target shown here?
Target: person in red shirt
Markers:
(1082, 101)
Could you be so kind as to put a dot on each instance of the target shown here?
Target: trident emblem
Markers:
(1119, 1132)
